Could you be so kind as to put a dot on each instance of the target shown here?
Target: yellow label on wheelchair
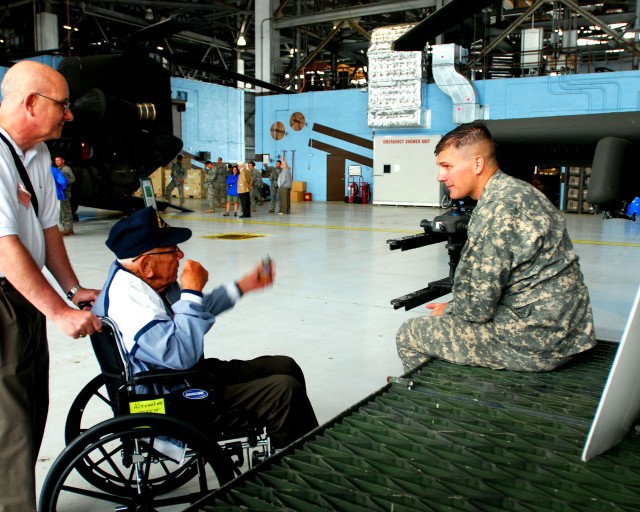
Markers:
(152, 406)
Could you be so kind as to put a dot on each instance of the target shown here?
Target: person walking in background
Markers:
(232, 192)
(220, 182)
(66, 213)
(210, 174)
(284, 185)
(178, 175)
(244, 189)
(35, 106)
(274, 173)
(256, 185)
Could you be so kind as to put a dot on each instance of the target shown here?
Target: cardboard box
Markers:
(573, 193)
(572, 206)
(297, 197)
(299, 186)
(193, 184)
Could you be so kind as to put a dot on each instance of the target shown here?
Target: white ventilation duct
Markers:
(445, 61)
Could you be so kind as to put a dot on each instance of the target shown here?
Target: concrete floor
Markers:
(329, 307)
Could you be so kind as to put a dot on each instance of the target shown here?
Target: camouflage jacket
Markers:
(178, 172)
(518, 269)
(210, 174)
(274, 173)
(257, 178)
(220, 173)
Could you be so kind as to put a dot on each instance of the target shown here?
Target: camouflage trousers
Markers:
(211, 196)
(220, 193)
(274, 195)
(170, 187)
(458, 341)
(66, 215)
(256, 195)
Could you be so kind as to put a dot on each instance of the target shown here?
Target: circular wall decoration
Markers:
(277, 130)
(297, 121)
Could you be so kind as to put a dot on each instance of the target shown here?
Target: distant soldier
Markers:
(178, 175)
(66, 214)
(256, 185)
(220, 183)
(210, 173)
(274, 173)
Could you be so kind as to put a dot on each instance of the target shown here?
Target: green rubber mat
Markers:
(463, 438)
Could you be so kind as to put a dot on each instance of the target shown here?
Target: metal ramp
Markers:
(469, 439)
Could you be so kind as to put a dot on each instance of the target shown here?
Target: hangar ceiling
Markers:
(322, 44)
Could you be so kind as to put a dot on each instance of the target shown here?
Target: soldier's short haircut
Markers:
(208, 162)
(466, 135)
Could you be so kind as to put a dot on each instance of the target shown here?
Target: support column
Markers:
(267, 42)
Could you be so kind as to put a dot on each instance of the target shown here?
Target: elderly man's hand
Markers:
(194, 276)
(259, 278)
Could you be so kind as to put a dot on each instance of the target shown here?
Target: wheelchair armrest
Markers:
(163, 376)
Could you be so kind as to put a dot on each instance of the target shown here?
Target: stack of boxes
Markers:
(193, 184)
(577, 185)
(298, 189)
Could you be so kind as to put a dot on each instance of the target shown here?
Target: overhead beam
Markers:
(137, 22)
(440, 21)
(347, 13)
(210, 5)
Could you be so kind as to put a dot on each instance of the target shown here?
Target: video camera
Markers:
(450, 227)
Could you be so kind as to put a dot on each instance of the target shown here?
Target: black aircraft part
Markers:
(556, 141)
(440, 21)
(122, 127)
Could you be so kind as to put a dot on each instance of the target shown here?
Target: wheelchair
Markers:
(148, 441)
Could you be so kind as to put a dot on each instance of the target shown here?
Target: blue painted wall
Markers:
(343, 110)
(213, 120)
(502, 99)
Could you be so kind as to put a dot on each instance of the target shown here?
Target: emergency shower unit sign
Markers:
(405, 170)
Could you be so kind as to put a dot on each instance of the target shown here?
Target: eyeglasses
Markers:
(155, 253)
(65, 105)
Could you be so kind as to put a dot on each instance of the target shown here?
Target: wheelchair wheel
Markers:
(91, 406)
(120, 453)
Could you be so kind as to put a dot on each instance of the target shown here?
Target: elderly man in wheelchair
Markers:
(151, 353)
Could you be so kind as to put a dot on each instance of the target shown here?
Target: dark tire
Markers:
(91, 406)
(119, 453)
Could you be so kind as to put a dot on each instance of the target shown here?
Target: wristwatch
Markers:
(73, 291)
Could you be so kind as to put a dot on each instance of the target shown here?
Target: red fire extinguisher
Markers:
(353, 191)
(365, 193)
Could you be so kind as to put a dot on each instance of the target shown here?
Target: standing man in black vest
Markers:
(35, 105)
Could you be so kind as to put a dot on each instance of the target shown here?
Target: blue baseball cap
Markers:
(142, 231)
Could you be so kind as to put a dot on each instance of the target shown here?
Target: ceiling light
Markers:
(242, 41)
(148, 14)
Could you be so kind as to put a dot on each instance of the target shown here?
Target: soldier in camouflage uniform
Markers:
(178, 175)
(274, 173)
(519, 299)
(220, 183)
(66, 213)
(256, 185)
(210, 174)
